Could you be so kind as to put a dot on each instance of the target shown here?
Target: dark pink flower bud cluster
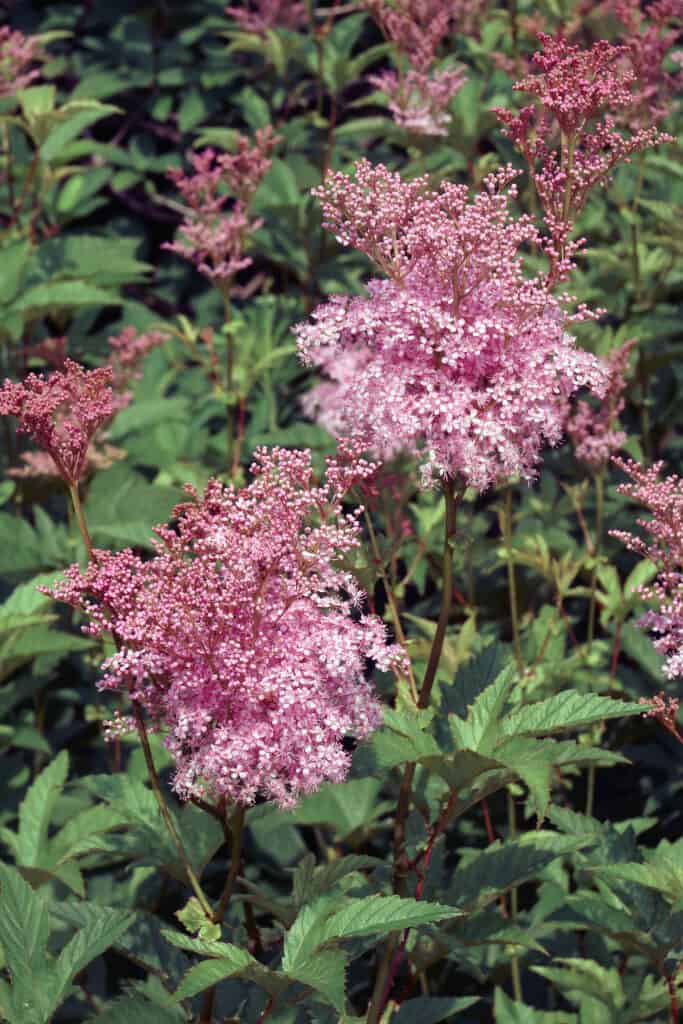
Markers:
(665, 710)
(261, 15)
(457, 355)
(419, 93)
(242, 637)
(571, 141)
(215, 228)
(664, 500)
(62, 412)
(650, 33)
(17, 53)
(595, 433)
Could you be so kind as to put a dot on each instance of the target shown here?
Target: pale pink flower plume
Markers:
(571, 141)
(62, 412)
(215, 228)
(457, 355)
(649, 34)
(664, 500)
(261, 15)
(594, 432)
(127, 351)
(665, 710)
(419, 93)
(419, 101)
(17, 53)
(241, 636)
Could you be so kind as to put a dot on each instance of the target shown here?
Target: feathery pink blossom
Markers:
(126, 352)
(213, 234)
(241, 636)
(457, 355)
(17, 53)
(261, 15)
(594, 432)
(40, 464)
(650, 32)
(62, 412)
(664, 500)
(419, 93)
(580, 92)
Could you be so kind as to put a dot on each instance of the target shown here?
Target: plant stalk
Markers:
(506, 523)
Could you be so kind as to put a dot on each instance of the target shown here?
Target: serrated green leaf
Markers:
(36, 809)
(378, 915)
(24, 931)
(432, 1010)
(105, 927)
(482, 726)
(568, 710)
(509, 1011)
(326, 974)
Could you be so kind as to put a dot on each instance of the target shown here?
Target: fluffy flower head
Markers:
(595, 433)
(62, 412)
(238, 635)
(456, 355)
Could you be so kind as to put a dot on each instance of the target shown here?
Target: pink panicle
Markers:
(62, 412)
(17, 53)
(241, 636)
(37, 465)
(664, 500)
(127, 350)
(594, 432)
(457, 356)
(418, 96)
(261, 15)
(649, 34)
(213, 234)
(581, 93)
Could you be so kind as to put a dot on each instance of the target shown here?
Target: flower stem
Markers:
(144, 739)
(599, 517)
(514, 963)
(80, 519)
(506, 526)
(388, 965)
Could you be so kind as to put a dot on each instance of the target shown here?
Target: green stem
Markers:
(229, 375)
(80, 520)
(452, 500)
(144, 739)
(514, 963)
(599, 518)
(506, 524)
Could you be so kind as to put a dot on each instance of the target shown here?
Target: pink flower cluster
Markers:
(17, 53)
(241, 636)
(594, 432)
(418, 93)
(126, 352)
(579, 92)
(665, 710)
(456, 355)
(651, 31)
(213, 235)
(62, 412)
(664, 499)
(261, 15)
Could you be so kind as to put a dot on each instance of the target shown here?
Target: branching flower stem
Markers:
(144, 741)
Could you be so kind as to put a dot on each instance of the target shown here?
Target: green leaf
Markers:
(472, 679)
(482, 726)
(502, 866)
(105, 926)
(325, 973)
(377, 915)
(136, 1010)
(24, 930)
(568, 710)
(509, 1011)
(57, 294)
(36, 809)
(78, 115)
(431, 1010)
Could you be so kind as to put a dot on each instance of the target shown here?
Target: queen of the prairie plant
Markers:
(595, 433)
(17, 53)
(241, 637)
(663, 498)
(261, 15)
(456, 355)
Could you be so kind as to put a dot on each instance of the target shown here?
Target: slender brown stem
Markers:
(388, 963)
(237, 833)
(391, 598)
